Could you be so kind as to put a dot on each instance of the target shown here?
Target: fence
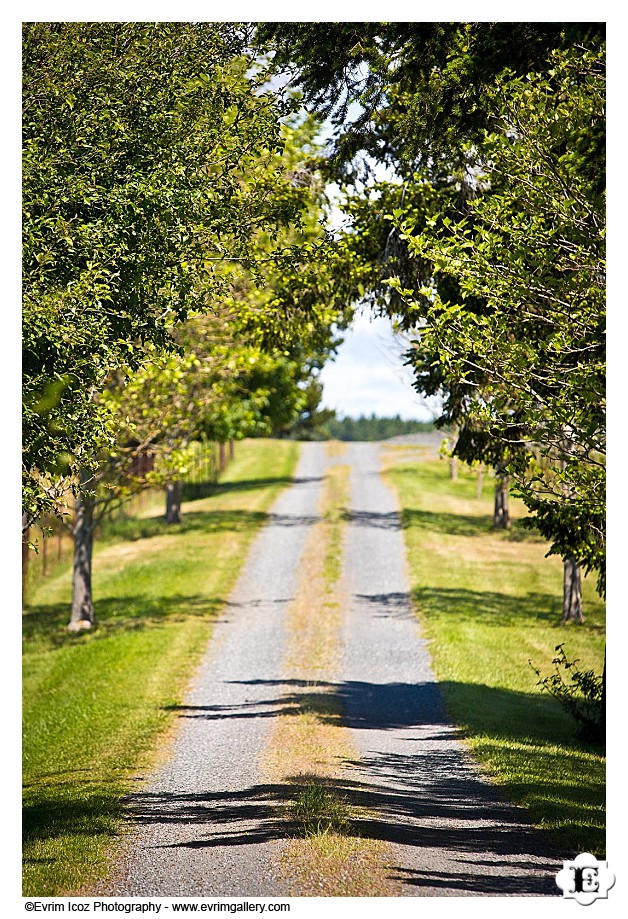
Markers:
(209, 460)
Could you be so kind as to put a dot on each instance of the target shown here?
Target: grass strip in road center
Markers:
(324, 855)
(98, 706)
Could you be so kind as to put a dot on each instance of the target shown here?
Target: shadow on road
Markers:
(371, 706)
(425, 799)
(293, 520)
(382, 521)
(391, 605)
(432, 783)
(399, 805)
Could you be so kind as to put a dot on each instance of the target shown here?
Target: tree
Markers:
(152, 161)
(162, 410)
(526, 335)
(487, 242)
(313, 421)
(238, 366)
(221, 387)
(149, 159)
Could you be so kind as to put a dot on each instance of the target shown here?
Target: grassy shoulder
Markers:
(489, 602)
(97, 707)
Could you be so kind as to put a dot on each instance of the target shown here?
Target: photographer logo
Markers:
(585, 879)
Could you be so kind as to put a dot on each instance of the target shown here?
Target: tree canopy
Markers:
(152, 159)
(521, 349)
(160, 182)
(401, 93)
(486, 240)
(244, 366)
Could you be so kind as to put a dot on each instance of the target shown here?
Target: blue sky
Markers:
(368, 374)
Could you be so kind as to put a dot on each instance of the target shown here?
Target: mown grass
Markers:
(96, 706)
(488, 603)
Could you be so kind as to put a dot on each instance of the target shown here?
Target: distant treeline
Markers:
(365, 428)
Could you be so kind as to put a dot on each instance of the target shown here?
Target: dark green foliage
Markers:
(373, 428)
(580, 693)
(487, 243)
(399, 91)
(313, 420)
(513, 317)
(149, 156)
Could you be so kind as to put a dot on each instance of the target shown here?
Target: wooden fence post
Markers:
(25, 554)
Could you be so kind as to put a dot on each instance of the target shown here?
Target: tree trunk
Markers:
(572, 592)
(222, 459)
(572, 580)
(479, 483)
(25, 554)
(453, 460)
(501, 512)
(603, 725)
(83, 532)
(173, 502)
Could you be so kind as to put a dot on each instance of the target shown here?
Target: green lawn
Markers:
(489, 602)
(97, 707)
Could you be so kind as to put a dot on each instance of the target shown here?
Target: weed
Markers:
(581, 695)
(318, 810)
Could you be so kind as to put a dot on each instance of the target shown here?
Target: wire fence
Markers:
(48, 544)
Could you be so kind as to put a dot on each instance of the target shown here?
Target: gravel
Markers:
(450, 832)
(207, 824)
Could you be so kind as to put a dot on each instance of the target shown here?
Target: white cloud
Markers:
(368, 375)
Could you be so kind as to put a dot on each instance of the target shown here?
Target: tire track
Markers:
(207, 823)
(450, 832)
(323, 856)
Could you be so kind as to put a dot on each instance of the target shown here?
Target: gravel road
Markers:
(207, 824)
(451, 834)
